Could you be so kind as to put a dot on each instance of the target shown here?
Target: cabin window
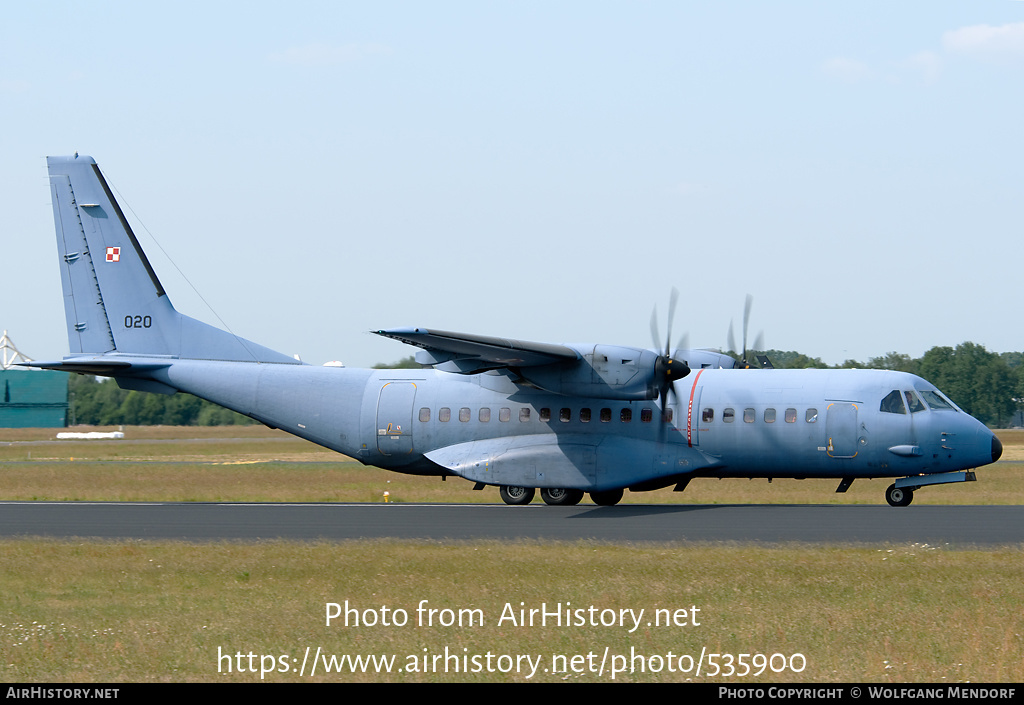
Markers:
(424, 414)
(504, 414)
(666, 416)
(790, 415)
(565, 415)
(811, 416)
(524, 414)
(708, 415)
(545, 414)
(769, 415)
(748, 416)
(914, 402)
(485, 414)
(893, 403)
(606, 415)
(444, 415)
(937, 402)
(464, 414)
(585, 415)
(626, 415)
(728, 415)
(646, 415)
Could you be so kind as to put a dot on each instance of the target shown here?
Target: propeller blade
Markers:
(672, 301)
(684, 342)
(655, 336)
(667, 369)
(759, 342)
(746, 325)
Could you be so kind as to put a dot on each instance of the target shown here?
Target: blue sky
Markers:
(541, 171)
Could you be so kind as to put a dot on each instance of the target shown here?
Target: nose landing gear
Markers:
(899, 496)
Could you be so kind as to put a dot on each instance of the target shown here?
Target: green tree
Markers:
(980, 382)
(406, 363)
(792, 360)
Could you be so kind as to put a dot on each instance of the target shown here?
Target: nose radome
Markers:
(997, 448)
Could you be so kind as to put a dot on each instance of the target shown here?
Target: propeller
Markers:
(758, 342)
(667, 369)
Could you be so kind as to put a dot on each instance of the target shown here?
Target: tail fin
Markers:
(113, 300)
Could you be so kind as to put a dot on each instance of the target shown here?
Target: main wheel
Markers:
(899, 496)
(516, 495)
(557, 496)
(607, 498)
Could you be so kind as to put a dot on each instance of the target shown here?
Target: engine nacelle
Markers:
(603, 372)
(699, 359)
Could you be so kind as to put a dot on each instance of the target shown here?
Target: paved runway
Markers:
(818, 524)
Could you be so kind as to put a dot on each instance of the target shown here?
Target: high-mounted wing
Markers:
(468, 354)
(600, 371)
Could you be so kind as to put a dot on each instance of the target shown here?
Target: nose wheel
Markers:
(899, 496)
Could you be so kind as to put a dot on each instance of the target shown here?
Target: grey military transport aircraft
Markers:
(564, 419)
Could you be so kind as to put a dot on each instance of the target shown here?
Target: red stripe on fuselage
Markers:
(689, 410)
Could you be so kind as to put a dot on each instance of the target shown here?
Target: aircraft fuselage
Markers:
(724, 423)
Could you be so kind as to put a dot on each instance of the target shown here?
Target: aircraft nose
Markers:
(997, 448)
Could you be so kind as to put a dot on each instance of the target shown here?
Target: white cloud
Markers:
(848, 70)
(326, 55)
(1004, 41)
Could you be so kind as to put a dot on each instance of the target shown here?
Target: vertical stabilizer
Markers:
(113, 300)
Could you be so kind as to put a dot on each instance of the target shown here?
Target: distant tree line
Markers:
(102, 403)
(987, 385)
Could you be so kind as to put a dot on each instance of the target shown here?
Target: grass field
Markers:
(91, 611)
(167, 611)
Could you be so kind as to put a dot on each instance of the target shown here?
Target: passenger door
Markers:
(394, 418)
(841, 429)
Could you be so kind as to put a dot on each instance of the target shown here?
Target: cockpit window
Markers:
(893, 403)
(936, 401)
(913, 402)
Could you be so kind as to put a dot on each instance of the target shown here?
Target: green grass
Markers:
(159, 611)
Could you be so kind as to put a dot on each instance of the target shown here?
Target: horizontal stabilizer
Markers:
(102, 366)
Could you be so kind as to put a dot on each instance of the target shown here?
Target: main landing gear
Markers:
(511, 494)
(558, 497)
(516, 495)
(899, 496)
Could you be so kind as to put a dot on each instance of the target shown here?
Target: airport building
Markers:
(30, 398)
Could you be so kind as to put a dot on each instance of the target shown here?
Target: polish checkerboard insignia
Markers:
(113, 254)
